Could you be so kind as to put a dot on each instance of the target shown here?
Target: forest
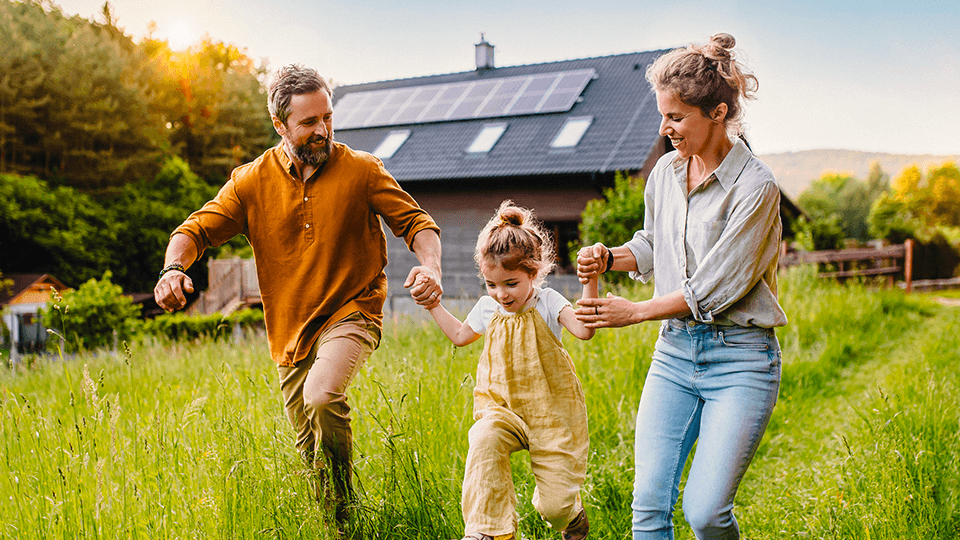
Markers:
(107, 143)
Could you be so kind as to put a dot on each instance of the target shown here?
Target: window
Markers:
(572, 132)
(488, 137)
(391, 143)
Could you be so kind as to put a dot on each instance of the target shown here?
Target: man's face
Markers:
(308, 132)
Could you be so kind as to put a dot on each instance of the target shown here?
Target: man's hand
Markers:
(424, 286)
(169, 292)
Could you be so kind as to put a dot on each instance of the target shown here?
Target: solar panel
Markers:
(417, 104)
(389, 107)
(501, 98)
(472, 100)
(487, 98)
(449, 97)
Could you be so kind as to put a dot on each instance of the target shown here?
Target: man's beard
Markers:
(317, 157)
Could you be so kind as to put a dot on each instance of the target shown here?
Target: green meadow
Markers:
(189, 440)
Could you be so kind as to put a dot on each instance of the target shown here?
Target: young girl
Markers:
(527, 395)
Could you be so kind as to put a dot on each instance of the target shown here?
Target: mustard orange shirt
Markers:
(319, 247)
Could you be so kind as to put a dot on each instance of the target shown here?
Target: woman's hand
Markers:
(610, 312)
(591, 261)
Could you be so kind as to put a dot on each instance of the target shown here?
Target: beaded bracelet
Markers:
(175, 266)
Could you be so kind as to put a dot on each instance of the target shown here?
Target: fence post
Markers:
(908, 263)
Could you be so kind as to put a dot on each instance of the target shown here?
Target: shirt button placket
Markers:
(308, 225)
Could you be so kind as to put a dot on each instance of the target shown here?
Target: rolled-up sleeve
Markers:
(641, 246)
(217, 221)
(739, 258)
(398, 209)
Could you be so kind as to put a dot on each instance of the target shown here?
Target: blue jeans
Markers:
(715, 383)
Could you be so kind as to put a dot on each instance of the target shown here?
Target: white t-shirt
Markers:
(549, 304)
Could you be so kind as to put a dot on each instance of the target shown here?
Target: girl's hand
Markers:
(610, 312)
(425, 288)
(591, 262)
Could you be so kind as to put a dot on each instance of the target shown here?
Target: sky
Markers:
(867, 75)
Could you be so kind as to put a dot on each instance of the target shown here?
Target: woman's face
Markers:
(690, 132)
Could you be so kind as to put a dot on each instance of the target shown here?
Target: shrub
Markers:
(892, 219)
(613, 219)
(182, 327)
(820, 234)
(88, 317)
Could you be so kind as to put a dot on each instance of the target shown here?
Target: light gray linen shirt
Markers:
(720, 244)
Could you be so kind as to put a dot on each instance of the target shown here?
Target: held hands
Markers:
(591, 262)
(169, 291)
(424, 287)
(610, 312)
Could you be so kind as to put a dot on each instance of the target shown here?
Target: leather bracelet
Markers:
(169, 268)
(609, 261)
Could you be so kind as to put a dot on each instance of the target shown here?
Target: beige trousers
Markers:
(314, 395)
(527, 397)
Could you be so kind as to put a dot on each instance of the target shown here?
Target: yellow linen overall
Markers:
(528, 397)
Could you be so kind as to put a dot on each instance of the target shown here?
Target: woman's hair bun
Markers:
(723, 40)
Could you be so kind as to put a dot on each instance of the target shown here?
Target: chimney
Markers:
(484, 52)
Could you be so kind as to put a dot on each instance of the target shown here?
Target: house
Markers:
(549, 136)
(21, 303)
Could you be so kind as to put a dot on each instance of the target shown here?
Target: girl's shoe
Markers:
(578, 528)
(481, 536)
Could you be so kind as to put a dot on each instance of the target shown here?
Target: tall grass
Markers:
(190, 440)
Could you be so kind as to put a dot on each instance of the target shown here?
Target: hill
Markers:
(796, 170)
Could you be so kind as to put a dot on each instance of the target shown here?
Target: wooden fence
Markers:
(856, 262)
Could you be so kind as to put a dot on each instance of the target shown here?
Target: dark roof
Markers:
(23, 282)
(621, 137)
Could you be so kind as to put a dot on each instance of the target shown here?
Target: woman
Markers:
(711, 235)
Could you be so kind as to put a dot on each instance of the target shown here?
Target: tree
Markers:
(145, 213)
(878, 182)
(72, 103)
(892, 218)
(53, 230)
(83, 105)
(820, 233)
(843, 196)
(931, 201)
(213, 104)
(613, 219)
(944, 186)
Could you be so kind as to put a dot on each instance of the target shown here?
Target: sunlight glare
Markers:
(180, 36)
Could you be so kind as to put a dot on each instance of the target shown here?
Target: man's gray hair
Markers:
(289, 81)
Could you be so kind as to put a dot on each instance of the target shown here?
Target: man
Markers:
(310, 208)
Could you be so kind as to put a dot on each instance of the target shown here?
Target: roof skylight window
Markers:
(487, 138)
(391, 143)
(572, 132)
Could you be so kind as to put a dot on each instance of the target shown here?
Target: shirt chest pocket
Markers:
(701, 236)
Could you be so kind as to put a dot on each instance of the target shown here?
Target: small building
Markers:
(21, 303)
